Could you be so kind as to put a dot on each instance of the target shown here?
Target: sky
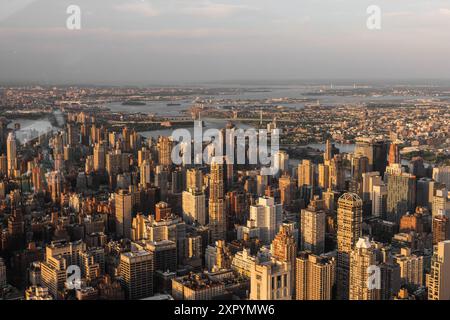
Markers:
(139, 42)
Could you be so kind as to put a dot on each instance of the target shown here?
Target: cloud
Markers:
(144, 9)
(215, 10)
(444, 11)
(399, 14)
(8, 8)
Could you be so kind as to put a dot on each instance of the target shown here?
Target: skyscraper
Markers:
(401, 196)
(271, 280)
(281, 158)
(442, 175)
(99, 157)
(286, 190)
(217, 217)
(360, 165)
(194, 179)
(379, 200)
(337, 173)
(266, 216)
(136, 271)
(361, 258)
(441, 201)
(164, 151)
(54, 183)
(145, 173)
(411, 267)
(11, 153)
(123, 207)
(425, 192)
(324, 176)
(394, 154)
(306, 173)
(328, 154)
(164, 255)
(315, 276)
(349, 220)
(284, 248)
(364, 148)
(380, 151)
(194, 207)
(441, 228)
(312, 227)
(438, 280)
(369, 180)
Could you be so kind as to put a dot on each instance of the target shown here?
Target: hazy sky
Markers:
(174, 41)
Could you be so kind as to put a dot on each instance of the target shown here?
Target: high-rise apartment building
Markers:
(337, 173)
(369, 180)
(394, 153)
(266, 216)
(99, 157)
(411, 267)
(306, 173)
(425, 192)
(123, 209)
(379, 200)
(284, 248)
(323, 176)
(217, 217)
(11, 154)
(194, 206)
(58, 257)
(271, 280)
(145, 173)
(401, 197)
(438, 280)
(362, 257)
(164, 151)
(55, 185)
(442, 175)
(312, 227)
(441, 201)
(349, 221)
(281, 158)
(360, 165)
(315, 276)
(286, 189)
(328, 154)
(441, 228)
(194, 179)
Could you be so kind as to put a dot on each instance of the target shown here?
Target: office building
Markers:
(136, 272)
